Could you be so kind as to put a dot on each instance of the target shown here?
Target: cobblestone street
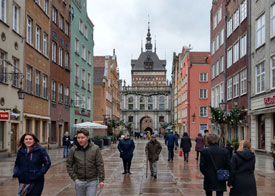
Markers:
(174, 178)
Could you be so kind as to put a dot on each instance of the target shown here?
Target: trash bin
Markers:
(107, 141)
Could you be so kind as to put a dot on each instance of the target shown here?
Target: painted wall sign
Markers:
(269, 100)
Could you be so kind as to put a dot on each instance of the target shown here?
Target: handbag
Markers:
(222, 174)
(180, 153)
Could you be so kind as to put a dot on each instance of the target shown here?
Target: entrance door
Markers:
(59, 135)
(261, 132)
(13, 138)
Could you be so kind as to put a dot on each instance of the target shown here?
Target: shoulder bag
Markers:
(222, 174)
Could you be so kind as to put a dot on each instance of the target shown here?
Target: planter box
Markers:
(107, 141)
(99, 143)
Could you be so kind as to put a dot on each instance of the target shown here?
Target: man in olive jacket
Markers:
(153, 149)
(85, 165)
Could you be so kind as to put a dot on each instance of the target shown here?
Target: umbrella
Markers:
(90, 125)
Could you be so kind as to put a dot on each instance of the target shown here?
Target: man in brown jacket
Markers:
(153, 149)
(85, 165)
(205, 138)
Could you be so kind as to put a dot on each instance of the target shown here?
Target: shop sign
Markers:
(269, 100)
(4, 116)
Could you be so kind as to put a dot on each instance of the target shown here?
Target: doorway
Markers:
(59, 135)
(13, 138)
(261, 132)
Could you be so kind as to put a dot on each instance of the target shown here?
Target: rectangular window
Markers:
(77, 74)
(272, 75)
(130, 106)
(46, 5)
(45, 87)
(37, 83)
(53, 90)
(76, 45)
(236, 85)
(217, 96)
(89, 82)
(272, 20)
(29, 30)
(217, 68)
(215, 21)
(89, 58)
(86, 32)
(38, 2)
(203, 112)
(213, 97)
(243, 46)
(80, 26)
(260, 76)
(229, 27)
(217, 42)
(203, 77)
(219, 14)
(150, 106)
(38, 38)
(229, 58)
(54, 52)
(66, 28)
(83, 102)
(260, 31)
(203, 94)
(54, 15)
(130, 119)
(221, 64)
(45, 44)
(243, 82)
(142, 106)
(236, 52)
(66, 60)
(221, 92)
(61, 20)
(229, 89)
(213, 47)
(66, 95)
(222, 37)
(76, 99)
(213, 71)
(29, 79)
(15, 18)
(60, 57)
(83, 52)
(15, 72)
(83, 78)
(60, 93)
(88, 103)
(3, 68)
(243, 10)
(3, 10)
(161, 106)
(236, 19)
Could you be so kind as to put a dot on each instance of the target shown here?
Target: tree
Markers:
(114, 124)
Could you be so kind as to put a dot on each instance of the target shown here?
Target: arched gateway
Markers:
(146, 124)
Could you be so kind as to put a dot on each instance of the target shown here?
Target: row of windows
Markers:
(84, 53)
(81, 101)
(217, 18)
(59, 20)
(149, 78)
(83, 78)
(83, 29)
(217, 68)
(217, 95)
(149, 106)
(131, 119)
(63, 57)
(237, 51)
(149, 99)
(59, 94)
(217, 42)
(237, 85)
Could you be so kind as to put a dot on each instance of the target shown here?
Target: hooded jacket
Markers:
(85, 164)
(31, 167)
(153, 149)
(242, 177)
(126, 148)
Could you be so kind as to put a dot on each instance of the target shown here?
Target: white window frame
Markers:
(229, 27)
(46, 6)
(235, 85)
(37, 83)
(272, 20)
(3, 10)
(89, 57)
(76, 99)
(89, 82)
(229, 89)
(88, 103)
(213, 97)
(61, 21)
(217, 95)
(221, 37)
(60, 57)
(53, 91)
(54, 51)
(229, 57)
(236, 19)
(66, 59)
(217, 67)
(203, 77)
(45, 44)
(76, 45)
(44, 86)
(260, 76)
(83, 101)
(66, 27)
(221, 64)
(203, 111)
(15, 17)
(29, 30)
(83, 52)
(213, 71)
(219, 14)
(236, 52)
(38, 38)
(243, 46)
(60, 93)
(213, 47)
(215, 21)
(217, 42)
(66, 95)
(243, 11)
(272, 72)
(29, 79)
(243, 86)
(260, 31)
(203, 94)
(54, 15)
(222, 92)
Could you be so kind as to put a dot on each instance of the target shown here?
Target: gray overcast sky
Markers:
(122, 24)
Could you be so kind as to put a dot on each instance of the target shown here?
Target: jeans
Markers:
(66, 151)
(37, 188)
(186, 155)
(153, 168)
(84, 188)
(218, 193)
(170, 153)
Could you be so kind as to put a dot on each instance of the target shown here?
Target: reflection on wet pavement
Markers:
(174, 178)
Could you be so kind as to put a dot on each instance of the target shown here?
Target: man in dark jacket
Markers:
(219, 156)
(171, 141)
(126, 148)
(185, 145)
(153, 149)
(66, 144)
(85, 165)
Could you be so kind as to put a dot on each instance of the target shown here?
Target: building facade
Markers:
(81, 65)
(60, 70)
(37, 69)
(148, 102)
(106, 94)
(12, 25)
(262, 108)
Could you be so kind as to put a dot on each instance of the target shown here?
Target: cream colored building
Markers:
(12, 25)
(262, 75)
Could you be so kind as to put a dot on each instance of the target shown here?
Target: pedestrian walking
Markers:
(32, 163)
(205, 138)
(171, 141)
(148, 135)
(199, 145)
(242, 180)
(185, 145)
(85, 165)
(126, 148)
(153, 149)
(178, 136)
(66, 144)
(213, 158)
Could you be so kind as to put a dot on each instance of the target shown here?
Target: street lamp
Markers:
(21, 93)
(222, 105)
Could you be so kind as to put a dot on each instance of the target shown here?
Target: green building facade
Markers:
(81, 61)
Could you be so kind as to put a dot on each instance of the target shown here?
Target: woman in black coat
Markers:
(219, 156)
(185, 145)
(242, 180)
(126, 148)
(32, 163)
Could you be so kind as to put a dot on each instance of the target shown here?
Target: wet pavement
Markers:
(174, 178)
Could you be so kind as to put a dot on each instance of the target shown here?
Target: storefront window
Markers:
(1, 135)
